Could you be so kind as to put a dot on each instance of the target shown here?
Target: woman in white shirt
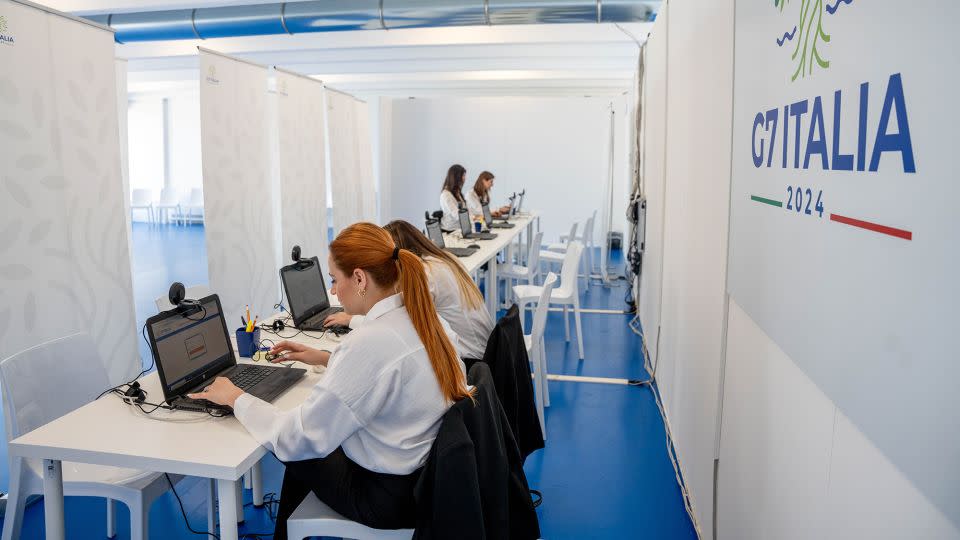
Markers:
(360, 439)
(451, 197)
(456, 296)
(480, 195)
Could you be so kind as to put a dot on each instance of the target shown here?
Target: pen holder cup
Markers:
(247, 342)
(477, 226)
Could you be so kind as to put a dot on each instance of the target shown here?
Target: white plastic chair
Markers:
(73, 368)
(553, 256)
(195, 202)
(586, 237)
(314, 518)
(142, 199)
(169, 200)
(567, 294)
(528, 273)
(195, 292)
(536, 349)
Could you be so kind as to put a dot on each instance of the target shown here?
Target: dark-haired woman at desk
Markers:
(360, 439)
(451, 197)
(480, 195)
(457, 298)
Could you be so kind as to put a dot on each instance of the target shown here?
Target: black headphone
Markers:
(134, 394)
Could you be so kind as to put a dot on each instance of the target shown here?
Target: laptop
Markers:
(466, 226)
(488, 217)
(515, 211)
(306, 292)
(436, 236)
(192, 348)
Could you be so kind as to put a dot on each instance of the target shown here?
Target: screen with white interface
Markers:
(188, 344)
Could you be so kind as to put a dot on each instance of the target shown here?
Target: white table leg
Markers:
(492, 286)
(239, 493)
(256, 482)
(53, 499)
(227, 489)
(211, 505)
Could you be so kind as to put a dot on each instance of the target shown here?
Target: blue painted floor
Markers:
(604, 473)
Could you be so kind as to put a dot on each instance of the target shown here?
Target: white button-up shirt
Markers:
(471, 326)
(451, 211)
(379, 399)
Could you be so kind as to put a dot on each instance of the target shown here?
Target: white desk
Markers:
(490, 248)
(109, 432)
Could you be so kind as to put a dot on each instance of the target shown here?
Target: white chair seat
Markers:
(83, 472)
(558, 246)
(513, 270)
(314, 518)
(552, 256)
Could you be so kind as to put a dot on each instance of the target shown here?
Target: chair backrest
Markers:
(543, 305)
(141, 197)
(169, 196)
(196, 197)
(573, 232)
(587, 237)
(533, 256)
(195, 292)
(49, 380)
(571, 266)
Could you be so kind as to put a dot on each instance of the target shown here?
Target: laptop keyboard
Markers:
(249, 376)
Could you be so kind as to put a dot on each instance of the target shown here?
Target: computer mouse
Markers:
(474, 246)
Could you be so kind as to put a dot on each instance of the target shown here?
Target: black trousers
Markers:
(382, 501)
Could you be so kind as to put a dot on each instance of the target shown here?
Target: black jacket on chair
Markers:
(506, 354)
(473, 486)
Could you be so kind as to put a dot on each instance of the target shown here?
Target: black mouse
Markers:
(474, 246)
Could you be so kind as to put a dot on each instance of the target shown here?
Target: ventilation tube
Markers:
(343, 15)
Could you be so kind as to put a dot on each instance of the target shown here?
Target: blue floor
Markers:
(604, 472)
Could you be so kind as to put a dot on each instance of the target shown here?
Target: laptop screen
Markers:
(519, 206)
(487, 216)
(306, 290)
(188, 345)
(464, 222)
(434, 233)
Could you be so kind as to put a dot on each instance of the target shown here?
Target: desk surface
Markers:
(489, 248)
(109, 432)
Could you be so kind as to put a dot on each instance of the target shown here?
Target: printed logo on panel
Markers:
(809, 35)
(6, 37)
(212, 75)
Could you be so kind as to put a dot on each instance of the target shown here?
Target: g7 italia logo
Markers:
(809, 34)
(5, 38)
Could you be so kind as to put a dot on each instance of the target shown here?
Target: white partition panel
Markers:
(367, 190)
(237, 186)
(695, 235)
(347, 204)
(64, 258)
(301, 165)
(655, 130)
(844, 227)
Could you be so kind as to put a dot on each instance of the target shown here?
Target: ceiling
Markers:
(559, 59)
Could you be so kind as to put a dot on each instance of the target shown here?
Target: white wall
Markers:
(183, 123)
(793, 466)
(145, 139)
(556, 148)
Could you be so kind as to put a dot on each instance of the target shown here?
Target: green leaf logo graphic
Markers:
(809, 35)
(3, 24)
